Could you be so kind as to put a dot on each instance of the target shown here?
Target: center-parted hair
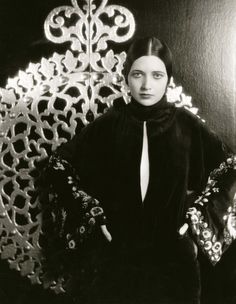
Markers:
(148, 46)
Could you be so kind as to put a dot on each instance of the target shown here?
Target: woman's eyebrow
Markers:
(154, 71)
(136, 70)
(160, 72)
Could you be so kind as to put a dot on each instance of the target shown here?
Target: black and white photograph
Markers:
(118, 152)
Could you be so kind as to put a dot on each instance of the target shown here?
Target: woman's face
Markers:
(147, 80)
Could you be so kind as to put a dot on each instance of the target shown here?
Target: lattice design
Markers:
(44, 106)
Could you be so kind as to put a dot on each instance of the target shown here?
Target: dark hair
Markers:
(145, 47)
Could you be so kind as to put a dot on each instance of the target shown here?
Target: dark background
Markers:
(201, 34)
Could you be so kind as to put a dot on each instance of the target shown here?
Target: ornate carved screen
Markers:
(43, 107)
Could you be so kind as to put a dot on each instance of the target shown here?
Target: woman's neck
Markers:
(142, 112)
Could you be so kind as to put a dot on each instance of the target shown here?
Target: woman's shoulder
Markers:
(95, 132)
(185, 116)
(199, 128)
(110, 113)
(103, 123)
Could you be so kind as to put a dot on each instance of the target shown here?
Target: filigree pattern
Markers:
(90, 32)
(175, 95)
(43, 107)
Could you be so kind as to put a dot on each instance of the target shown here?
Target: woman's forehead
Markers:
(148, 62)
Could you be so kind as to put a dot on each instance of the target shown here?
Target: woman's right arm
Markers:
(65, 183)
(80, 212)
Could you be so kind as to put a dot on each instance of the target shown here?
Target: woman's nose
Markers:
(146, 84)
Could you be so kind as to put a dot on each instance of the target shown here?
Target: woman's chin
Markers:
(146, 101)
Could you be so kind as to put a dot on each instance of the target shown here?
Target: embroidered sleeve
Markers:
(74, 212)
(212, 216)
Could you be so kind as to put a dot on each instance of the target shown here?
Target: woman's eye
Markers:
(157, 75)
(137, 74)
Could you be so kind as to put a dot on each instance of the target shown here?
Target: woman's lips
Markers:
(145, 96)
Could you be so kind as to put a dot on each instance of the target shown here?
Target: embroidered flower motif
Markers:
(96, 202)
(211, 182)
(85, 196)
(68, 236)
(227, 237)
(70, 181)
(207, 234)
(95, 211)
(222, 166)
(217, 257)
(71, 244)
(208, 245)
(81, 229)
(63, 214)
(58, 166)
(92, 221)
(216, 247)
(84, 205)
(194, 219)
(76, 194)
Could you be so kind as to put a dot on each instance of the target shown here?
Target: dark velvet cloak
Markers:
(147, 260)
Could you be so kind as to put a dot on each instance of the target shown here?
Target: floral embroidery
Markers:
(95, 211)
(91, 211)
(206, 237)
(81, 229)
(71, 244)
(207, 234)
(56, 162)
(92, 221)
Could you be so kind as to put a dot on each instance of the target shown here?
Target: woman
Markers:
(133, 172)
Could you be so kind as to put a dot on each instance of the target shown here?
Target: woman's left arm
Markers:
(212, 216)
